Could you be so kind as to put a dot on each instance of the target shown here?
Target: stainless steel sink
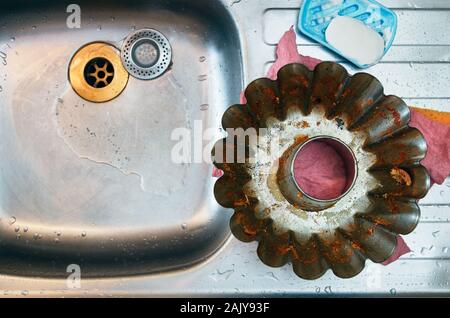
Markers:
(57, 208)
(129, 242)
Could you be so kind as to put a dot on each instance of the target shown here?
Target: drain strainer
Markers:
(146, 54)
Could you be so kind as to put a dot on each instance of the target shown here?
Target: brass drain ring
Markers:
(96, 72)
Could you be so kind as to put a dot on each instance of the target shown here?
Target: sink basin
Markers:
(58, 207)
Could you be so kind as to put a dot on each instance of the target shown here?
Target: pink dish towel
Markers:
(437, 135)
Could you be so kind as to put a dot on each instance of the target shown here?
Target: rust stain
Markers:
(248, 228)
(283, 249)
(381, 221)
(337, 252)
(302, 124)
(299, 139)
(307, 255)
(294, 91)
(395, 115)
(401, 176)
(249, 231)
(302, 80)
(346, 92)
(402, 156)
(356, 246)
(270, 93)
(392, 205)
(242, 202)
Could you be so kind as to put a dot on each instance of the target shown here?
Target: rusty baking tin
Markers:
(365, 221)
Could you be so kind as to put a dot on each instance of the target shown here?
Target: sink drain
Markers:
(99, 72)
(96, 72)
(146, 54)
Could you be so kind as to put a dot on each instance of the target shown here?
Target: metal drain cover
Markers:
(146, 54)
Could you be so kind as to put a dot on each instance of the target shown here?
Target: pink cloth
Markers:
(287, 53)
(437, 160)
(437, 135)
(400, 250)
(320, 171)
(217, 173)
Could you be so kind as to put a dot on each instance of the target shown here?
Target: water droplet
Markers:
(37, 236)
(425, 249)
(272, 276)
(184, 226)
(58, 233)
(3, 57)
(393, 291)
(435, 233)
(413, 5)
(25, 229)
(18, 236)
(83, 234)
(113, 19)
(204, 107)
(12, 39)
(12, 220)
(17, 229)
(99, 27)
(218, 275)
(56, 240)
(202, 59)
(202, 78)
(133, 28)
(317, 289)
(445, 250)
(33, 27)
(1, 89)
(24, 292)
(328, 290)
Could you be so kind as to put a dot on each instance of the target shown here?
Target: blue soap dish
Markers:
(316, 15)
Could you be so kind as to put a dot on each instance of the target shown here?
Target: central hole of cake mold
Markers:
(324, 168)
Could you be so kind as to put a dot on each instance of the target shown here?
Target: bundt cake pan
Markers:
(381, 200)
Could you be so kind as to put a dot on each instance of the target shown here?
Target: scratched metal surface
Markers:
(417, 68)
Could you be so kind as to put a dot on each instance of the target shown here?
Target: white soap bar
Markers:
(355, 40)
